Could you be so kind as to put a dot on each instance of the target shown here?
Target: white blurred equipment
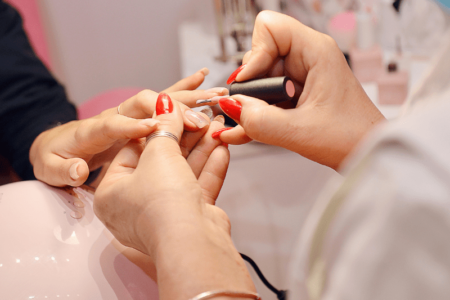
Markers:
(54, 247)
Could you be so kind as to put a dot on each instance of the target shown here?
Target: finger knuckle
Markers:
(223, 219)
(107, 125)
(329, 46)
(197, 191)
(83, 127)
(329, 41)
(145, 95)
(253, 121)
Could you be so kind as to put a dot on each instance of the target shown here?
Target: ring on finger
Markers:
(162, 133)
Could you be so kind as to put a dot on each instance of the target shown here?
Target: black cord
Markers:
(281, 294)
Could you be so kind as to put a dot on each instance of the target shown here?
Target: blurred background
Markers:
(95, 47)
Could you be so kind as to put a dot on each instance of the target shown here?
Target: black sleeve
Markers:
(31, 99)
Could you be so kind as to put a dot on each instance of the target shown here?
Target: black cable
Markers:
(281, 294)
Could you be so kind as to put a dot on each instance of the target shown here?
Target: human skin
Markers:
(175, 222)
(188, 238)
(66, 154)
(333, 112)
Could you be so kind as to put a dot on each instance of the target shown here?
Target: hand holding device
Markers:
(333, 112)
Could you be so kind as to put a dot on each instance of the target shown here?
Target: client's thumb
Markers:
(59, 171)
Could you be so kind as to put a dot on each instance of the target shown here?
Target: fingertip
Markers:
(231, 107)
(218, 91)
(217, 134)
(196, 119)
(225, 92)
(207, 112)
(220, 119)
(236, 73)
(150, 122)
(73, 171)
(237, 136)
(246, 100)
(195, 80)
(205, 71)
(171, 115)
(78, 172)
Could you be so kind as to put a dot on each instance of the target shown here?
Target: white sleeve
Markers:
(391, 237)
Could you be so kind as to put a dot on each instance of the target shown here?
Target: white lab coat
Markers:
(383, 230)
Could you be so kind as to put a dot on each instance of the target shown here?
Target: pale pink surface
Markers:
(366, 64)
(393, 88)
(290, 88)
(47, 254)
(29, 11)
(104, 101)
(342, 28)
(344, 22)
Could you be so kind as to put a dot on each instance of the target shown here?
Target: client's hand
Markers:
(197, 148)
(333, 112)
(155, 200)
(64, 155)
(183, 90)
(189, 83)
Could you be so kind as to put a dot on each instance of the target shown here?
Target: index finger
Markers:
(189, 83)
(273, 37)
(142, 105)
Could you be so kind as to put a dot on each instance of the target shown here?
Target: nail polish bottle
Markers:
(367, 57)
(272, 90)
(392, 86)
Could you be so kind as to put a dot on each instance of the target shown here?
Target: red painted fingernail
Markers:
(231, 107)
(235, 73)
(216, 134)
(164, 104)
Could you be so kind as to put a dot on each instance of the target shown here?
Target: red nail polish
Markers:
(164, 104)
(216, 134)
(235, 73)
(231, 107)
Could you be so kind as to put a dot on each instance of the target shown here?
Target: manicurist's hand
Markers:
(333, 112)
(64, 155)
(159, 199)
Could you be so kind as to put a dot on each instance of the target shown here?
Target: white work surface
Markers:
(267, 195)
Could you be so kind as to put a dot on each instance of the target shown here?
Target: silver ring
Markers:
(118, 108)
(162, 133)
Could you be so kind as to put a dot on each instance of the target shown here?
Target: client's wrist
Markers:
(191, 247)
(199, 257)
